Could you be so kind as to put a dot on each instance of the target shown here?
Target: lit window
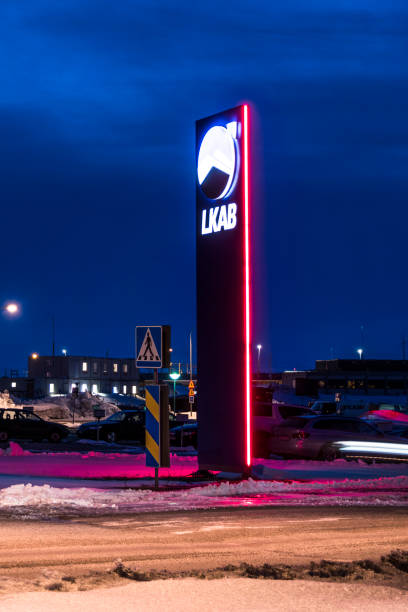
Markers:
(125, 368)
(115, 367)
(124, 388)
(73, 386)
(14, 385)
(134, 389)
(84, 387)
(52, 387)
(94, 388)
(114, 390)
(84, 366)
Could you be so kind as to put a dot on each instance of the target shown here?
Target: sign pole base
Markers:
(156, 479)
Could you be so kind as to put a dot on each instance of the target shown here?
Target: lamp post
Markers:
(259, 346)
(360, 352)
(174, 377)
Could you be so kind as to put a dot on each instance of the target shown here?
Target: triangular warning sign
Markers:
(191, 385)
(148, 351)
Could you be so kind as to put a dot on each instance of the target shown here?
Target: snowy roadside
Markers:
(55, 484)
(228, 594)
(33, 501)
(113, 465)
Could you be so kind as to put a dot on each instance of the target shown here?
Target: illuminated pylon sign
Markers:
(223, 290)
(157, 426)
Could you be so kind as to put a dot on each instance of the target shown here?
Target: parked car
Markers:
(122, 425)
(18, 423)
(184, 435)
(318, 436)
(266, 417)
(128, 424)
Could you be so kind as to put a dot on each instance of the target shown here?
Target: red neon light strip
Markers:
(247, 295)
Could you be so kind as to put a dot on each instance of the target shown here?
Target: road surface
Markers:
(34, 553)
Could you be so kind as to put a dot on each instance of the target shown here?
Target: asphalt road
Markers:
(31, 552)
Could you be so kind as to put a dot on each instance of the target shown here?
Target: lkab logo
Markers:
(217, 167)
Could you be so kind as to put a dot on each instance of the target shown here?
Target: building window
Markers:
(95, 367)
(105, 368)
(94, 388)
(14, 385)
(115, 367)
(84, 387)
(84, 366)
(73, 386)
(124, 388)
(134, 389)
(52, 387)
(114, 390)
(125, 368)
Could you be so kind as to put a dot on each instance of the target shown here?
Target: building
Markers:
(17, 385)
(359, 376)
(60, 374)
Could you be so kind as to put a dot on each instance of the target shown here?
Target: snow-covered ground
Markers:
(47, 484)
(34, 501)
(94, 464)
(227, 594)
(62, 407)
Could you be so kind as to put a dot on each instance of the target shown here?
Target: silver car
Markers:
(326, 437)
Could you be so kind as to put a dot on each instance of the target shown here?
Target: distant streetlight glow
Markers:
(12, 308)
(259, 346)
(174, 376)
(64, 352)
(34, 355)
(360, 352)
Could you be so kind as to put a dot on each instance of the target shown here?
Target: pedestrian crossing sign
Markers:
(149, 343)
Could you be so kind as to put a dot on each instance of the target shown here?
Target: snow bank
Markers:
(61, 407)
(225, 594)
(34, 501)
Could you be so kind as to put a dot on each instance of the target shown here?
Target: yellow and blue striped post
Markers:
(153, 425)
(157, 426)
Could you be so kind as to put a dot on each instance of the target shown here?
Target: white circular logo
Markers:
(217, 162)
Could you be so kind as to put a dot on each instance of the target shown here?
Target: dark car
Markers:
(320, 437)
(122, 425)
(184, 435)
(18, 423)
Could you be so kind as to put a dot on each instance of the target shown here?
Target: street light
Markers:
(11, 308)
(360, 352)
(64, 352)
(174, 377)
(259, 346)
(34, 355)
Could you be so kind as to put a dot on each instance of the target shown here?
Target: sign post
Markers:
(223, 291)
(157, 428)
(152, 351)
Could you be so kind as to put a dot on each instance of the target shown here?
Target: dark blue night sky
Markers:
(98, 101)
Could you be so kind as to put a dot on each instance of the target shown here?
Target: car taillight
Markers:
(300, 435)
